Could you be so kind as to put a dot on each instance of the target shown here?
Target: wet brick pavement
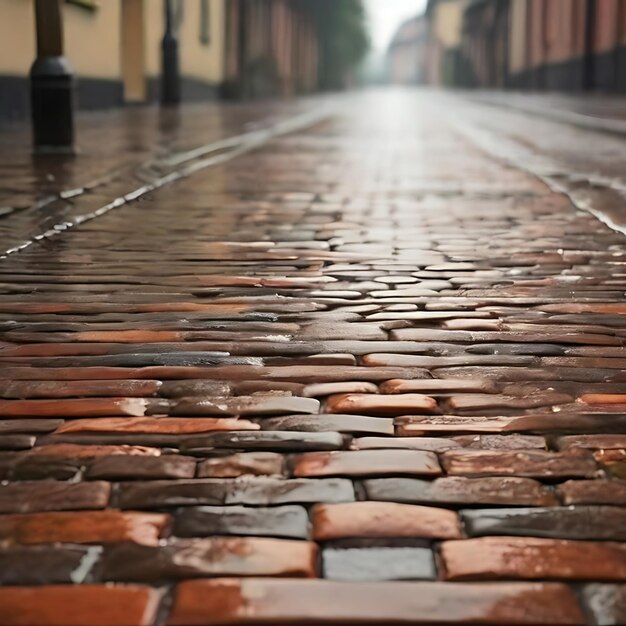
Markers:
(369, 372)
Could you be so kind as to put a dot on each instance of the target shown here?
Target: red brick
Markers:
(530, 464)
(500, 558)
(91, 407)
(375, 404)
(603, 398)
(270, 601)
(84, 527)
(383, 519)
(79, 605)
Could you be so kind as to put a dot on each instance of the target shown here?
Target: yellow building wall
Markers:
(448, 22)
(17, 37)
(197, 60)
(93, 39)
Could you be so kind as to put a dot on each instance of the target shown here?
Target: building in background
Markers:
(566, 45)
(444, 61)
(114, 48)
(272, 48)
(485, 44)
(232, 48)
(406, 51)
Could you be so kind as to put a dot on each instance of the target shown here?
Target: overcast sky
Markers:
(386, 15)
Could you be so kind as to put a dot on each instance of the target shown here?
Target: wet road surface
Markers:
(361, 363)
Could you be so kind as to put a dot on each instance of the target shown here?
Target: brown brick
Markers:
(245, 406)
(78, 605)
(271, 601)
(231, 466)
(501, 558)
(290, 521)
(173, 425)
(79, 388)
(260, 491)
(600, 491)
(32, 497)
(44, 565)
(529, 464)
(592, 442)
(9, 427)
(214, 556)
(382, 519)
(17, 442)
(480, 402)
(366, 463)
(78, 451)
(125, 467)
(613, 462)
(415, 426)
(603, 523)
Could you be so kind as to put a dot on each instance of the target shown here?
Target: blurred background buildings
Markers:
(564, 45)
(106, 53)
(231, 48)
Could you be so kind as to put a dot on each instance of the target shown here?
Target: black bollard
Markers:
(170, 79)
(51, 84)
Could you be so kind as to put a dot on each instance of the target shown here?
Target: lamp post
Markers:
(51, 84)
(170, 80)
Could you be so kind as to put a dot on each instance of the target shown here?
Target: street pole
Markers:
(51, 84)
(170, 81)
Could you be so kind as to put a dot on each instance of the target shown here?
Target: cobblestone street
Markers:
(350, 359)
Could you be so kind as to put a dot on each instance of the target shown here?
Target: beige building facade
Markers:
(114, 48)
(445, 24)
